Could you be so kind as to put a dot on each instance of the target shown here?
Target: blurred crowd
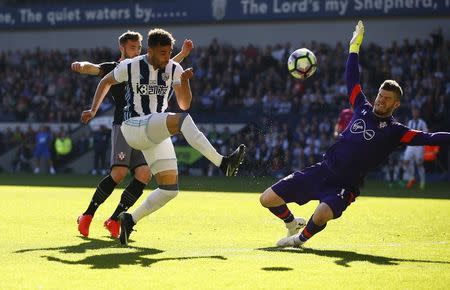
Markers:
(290, 122)
(38, 86)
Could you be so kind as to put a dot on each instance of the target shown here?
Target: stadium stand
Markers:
(289, 122)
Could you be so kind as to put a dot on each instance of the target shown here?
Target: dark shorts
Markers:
(121, 153)
(315, 183)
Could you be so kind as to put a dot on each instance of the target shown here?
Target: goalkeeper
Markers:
(371, 136)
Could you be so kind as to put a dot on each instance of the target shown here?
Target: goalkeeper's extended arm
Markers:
(357, 37)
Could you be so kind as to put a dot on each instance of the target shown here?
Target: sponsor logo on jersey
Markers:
(359, 127)
(148, 89)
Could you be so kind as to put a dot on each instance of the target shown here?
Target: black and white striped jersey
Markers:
(418, 124)
(147, 90)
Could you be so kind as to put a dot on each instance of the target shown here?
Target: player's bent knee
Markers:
(270, 199)
(175, 121)
(143, 174)
(165, 167)
(118, 173)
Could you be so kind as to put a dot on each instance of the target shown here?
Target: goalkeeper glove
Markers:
(357, 38)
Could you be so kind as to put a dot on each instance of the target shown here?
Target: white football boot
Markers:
(292, 241)
(295, 226)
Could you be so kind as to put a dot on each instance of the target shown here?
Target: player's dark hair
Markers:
(129, 35)
(393, 86)
(161, 37)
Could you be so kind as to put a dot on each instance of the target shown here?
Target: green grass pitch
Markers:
(222, 240)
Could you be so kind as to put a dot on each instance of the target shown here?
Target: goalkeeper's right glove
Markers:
(357, 38)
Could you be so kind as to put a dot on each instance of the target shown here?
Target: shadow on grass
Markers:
(277, 269)
(136, 255)
(343, 258)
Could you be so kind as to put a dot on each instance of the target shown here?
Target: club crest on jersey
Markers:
(359, 127)
(165, 76)
(121, 156)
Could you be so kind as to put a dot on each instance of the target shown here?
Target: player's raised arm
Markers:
(188, 45)
(102, 89)
(183, 89)
(419, 138)
(352, 66)
(86, 68)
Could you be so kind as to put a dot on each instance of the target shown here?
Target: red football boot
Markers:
(113, 227)
(410, 183)
(84, 221)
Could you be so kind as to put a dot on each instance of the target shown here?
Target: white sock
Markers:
(421, 171)
(408, 172)
(198, 141)
(157, 199)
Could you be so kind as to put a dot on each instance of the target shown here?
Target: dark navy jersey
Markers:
(117, 92)
(368, 140)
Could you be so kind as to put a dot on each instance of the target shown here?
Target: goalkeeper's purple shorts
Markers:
(315, 183)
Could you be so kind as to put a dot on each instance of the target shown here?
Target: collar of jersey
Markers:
(149, 65)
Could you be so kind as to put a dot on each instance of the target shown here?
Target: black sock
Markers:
(129, 196)
(310, 230)
(103, 191)
(283, 213)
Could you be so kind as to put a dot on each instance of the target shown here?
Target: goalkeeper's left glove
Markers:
(357, 38)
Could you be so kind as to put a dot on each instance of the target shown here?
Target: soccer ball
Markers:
(302, 63)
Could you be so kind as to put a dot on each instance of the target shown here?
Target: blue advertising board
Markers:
(210, 11)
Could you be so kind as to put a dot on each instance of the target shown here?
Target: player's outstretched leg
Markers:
(230, 164)
(126, 227)
(278, 207)
(162, 126)
(316, 223)
(103, 191)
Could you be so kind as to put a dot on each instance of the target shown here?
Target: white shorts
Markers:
(414, 153)
(159, 157)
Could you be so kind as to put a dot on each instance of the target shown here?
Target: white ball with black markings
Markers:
(302, 63)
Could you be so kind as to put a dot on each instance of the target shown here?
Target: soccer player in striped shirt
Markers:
(368, 140)
(414, 154)
(150, 80)
(123, 157)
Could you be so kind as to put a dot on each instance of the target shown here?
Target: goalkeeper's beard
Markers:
(382, 111)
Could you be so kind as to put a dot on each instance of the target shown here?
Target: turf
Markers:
(218, 240)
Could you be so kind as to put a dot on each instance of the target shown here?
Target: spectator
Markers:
(63, 148)
(42, 150)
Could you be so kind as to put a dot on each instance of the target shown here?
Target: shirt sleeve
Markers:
(357, 97)
(120, 73)
(419, 138)
(176, 80)
(106, 68)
